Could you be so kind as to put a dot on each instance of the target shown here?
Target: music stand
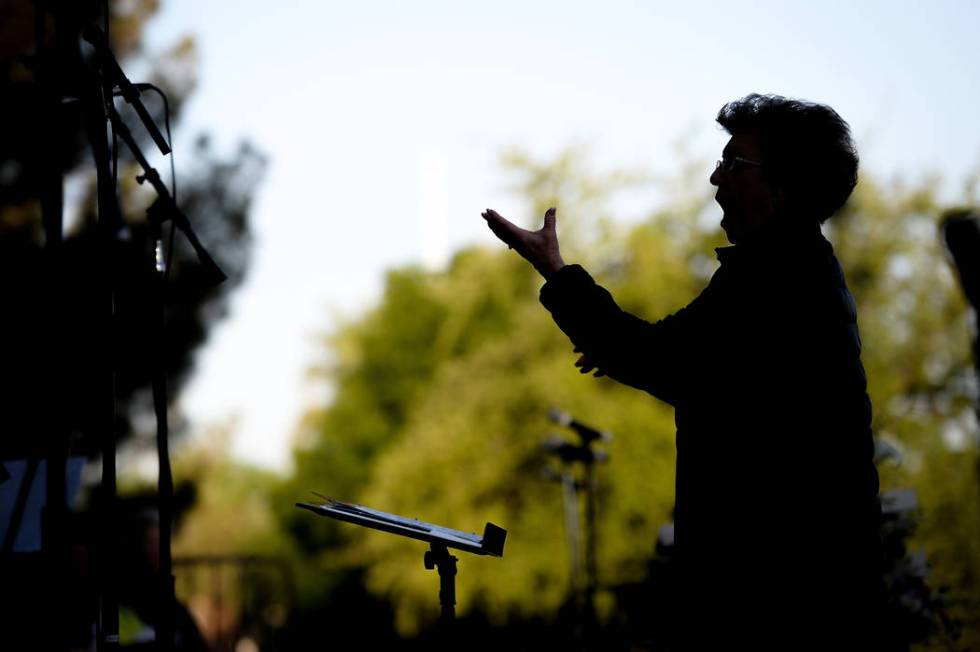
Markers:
(439, 538)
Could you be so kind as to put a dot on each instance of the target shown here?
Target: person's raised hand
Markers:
(540, 248)
(586, 365)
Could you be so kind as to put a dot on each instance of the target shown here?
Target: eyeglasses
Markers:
(729, 164)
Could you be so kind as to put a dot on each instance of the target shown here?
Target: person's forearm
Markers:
(548, 267)
(631, 350)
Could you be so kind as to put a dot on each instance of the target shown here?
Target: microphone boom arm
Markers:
(165, 207)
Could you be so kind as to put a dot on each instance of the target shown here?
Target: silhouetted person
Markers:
(776, 517)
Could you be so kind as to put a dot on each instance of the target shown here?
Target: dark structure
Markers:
(84, 316)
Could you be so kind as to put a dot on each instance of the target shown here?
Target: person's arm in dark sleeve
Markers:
(648, 356)
(653, 357)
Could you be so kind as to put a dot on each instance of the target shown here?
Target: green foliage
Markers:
(232, 513)
(229, 549)
(914, 326)
(442, 393)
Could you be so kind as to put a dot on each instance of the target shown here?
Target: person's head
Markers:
(786, 160)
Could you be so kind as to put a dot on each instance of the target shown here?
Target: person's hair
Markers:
(807, 150)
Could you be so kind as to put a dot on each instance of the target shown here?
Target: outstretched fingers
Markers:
(504, 229)
(540, 248)
(586, 365)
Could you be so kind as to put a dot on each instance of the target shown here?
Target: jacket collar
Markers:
(787, 239)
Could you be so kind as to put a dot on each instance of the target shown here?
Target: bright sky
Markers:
(384, 122)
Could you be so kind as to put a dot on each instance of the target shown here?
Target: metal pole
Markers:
(438, 557)
(570, 499)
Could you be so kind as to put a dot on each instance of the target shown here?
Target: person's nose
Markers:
(716, 177)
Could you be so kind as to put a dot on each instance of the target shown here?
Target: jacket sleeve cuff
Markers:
(568, 281)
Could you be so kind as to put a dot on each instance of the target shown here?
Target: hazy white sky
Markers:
(384, 121)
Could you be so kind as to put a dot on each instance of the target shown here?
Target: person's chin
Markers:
(730, 232)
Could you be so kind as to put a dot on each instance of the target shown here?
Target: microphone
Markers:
(566, 451)
(111, 69)
(587, 433)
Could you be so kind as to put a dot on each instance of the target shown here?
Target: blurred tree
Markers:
(463, 365)
(230, 552)
(55, 302)
(55, 329)
(442, 392)
(37, 146)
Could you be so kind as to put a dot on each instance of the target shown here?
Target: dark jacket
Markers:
(776, 510)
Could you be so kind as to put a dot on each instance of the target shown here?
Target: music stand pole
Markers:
(438, 557)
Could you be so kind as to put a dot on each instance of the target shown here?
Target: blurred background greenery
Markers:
(440, 394)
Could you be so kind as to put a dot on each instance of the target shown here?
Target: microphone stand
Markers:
(95, 97)
(162, 210)
(56, 69)
(569, 453)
